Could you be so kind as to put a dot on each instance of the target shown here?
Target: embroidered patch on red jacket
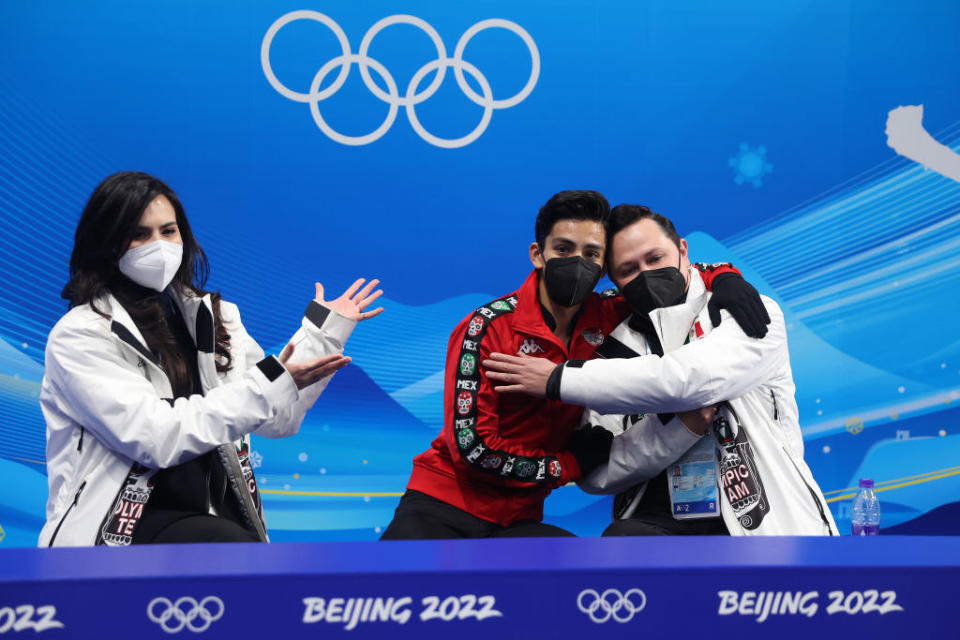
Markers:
(529, 347)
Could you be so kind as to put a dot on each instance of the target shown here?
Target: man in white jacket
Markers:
(710, 440)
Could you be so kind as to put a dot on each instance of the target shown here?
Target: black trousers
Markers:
(169, 526)
(652, 524)
(423, 517)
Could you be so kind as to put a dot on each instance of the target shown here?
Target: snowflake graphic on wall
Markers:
(751, 165)
(256, 459)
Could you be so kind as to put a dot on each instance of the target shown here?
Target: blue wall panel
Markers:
(760, 128)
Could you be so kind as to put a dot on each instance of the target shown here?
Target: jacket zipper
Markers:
(207, 472)
(816, 500)
(76, 499)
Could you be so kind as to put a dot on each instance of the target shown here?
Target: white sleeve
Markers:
(640, 453)
(114, 401)
(322, 332)
(724, 364)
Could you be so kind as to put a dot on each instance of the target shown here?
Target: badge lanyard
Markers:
(692, 480)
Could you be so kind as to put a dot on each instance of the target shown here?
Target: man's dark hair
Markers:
(624, 215)
(570, 205)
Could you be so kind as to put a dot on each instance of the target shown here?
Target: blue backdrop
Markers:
(761, 129)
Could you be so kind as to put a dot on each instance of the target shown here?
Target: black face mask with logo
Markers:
(570, 280)
(655, 289)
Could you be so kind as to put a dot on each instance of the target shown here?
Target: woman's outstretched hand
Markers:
(354, 301)
(306, 373)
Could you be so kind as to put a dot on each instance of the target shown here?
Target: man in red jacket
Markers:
(498, 457)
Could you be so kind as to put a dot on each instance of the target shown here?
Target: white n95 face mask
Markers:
(152, 265)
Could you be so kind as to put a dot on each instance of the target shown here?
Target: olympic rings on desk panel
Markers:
(611, 603)
(174, 616)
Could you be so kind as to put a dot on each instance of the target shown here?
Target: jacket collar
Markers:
(197, 315)
(528, 316)
(123, 326)
(673, 324)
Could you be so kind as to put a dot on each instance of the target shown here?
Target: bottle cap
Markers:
(866, 483)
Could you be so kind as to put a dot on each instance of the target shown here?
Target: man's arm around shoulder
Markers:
(724, 364)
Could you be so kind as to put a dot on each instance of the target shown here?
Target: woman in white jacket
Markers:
(152, 385)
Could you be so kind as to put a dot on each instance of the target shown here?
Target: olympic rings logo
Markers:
(392, 97)
(208, 610)
(611, 604)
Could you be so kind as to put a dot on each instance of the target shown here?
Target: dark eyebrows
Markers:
(656, 252)
(140, 227)
(561, 240)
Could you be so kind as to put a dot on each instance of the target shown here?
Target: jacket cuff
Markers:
(553, 383)
(679, 435)
(275, 382)
(572, 387)
(337, 327)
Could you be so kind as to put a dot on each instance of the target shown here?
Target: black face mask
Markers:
(655, 289)
(570, 280)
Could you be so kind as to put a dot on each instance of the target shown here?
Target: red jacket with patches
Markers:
(498, 457)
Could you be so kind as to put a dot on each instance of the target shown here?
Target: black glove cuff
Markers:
(721, 277)
(553, 382)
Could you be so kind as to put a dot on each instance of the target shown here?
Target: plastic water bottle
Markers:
(865, 515)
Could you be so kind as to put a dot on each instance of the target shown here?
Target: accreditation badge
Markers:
(692, 481)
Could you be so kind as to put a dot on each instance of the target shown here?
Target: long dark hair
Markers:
(103, 235)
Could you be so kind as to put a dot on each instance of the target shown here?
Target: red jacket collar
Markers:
(529, 318)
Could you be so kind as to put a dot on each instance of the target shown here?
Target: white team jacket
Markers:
(765, 486)
(108, 405)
